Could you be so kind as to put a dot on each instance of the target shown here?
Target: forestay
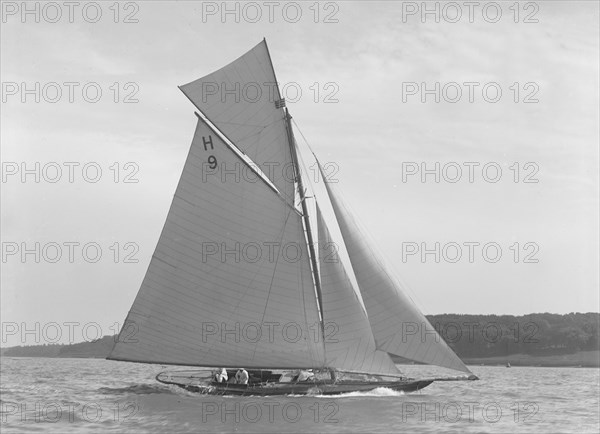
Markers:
(398, 325)
(349, 342)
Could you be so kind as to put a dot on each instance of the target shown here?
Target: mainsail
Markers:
(398, 325)
(229, 283)
(242, 100)
(234, 280)
(349, 343)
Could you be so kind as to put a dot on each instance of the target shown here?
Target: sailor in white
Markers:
(222, 376)
(241, 376)
(306, 375)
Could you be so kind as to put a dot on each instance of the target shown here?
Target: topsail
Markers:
(242, 100)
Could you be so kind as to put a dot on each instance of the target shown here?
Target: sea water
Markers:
(87, 395)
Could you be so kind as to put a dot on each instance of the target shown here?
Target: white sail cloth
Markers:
(229, 283)
(349, 343)
(398, 325)
(242, 100)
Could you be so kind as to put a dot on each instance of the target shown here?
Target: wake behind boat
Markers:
(246, 272)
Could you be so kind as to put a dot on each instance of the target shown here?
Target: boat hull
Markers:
(304, 388)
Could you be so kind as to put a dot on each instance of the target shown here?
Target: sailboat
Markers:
(242, 277)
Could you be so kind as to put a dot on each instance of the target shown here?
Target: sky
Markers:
(372, 63)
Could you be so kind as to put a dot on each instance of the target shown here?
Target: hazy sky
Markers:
(371, 132)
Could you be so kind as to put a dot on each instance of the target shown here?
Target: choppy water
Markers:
(81, 395)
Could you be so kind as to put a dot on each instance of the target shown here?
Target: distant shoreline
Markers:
(581, 359)
(584, 359)
(538, 339)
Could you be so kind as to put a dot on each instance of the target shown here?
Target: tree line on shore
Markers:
(537, 334)
(470, 336)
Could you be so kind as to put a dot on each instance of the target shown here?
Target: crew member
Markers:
(306, 375)
(221, 376)
(241, 376)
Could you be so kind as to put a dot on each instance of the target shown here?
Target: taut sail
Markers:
(242, 100)
(230, 282)
(235, 281)
(349, 342)
(398, 325)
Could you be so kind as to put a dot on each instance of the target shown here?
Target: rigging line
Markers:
(394, 277)
(273, 275)
(305, 141)
(398, 283)
(348, 268)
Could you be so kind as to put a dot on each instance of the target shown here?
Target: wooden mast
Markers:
(301, 191)
(305, 217)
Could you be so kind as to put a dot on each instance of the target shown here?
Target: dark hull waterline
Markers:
(302, 388)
